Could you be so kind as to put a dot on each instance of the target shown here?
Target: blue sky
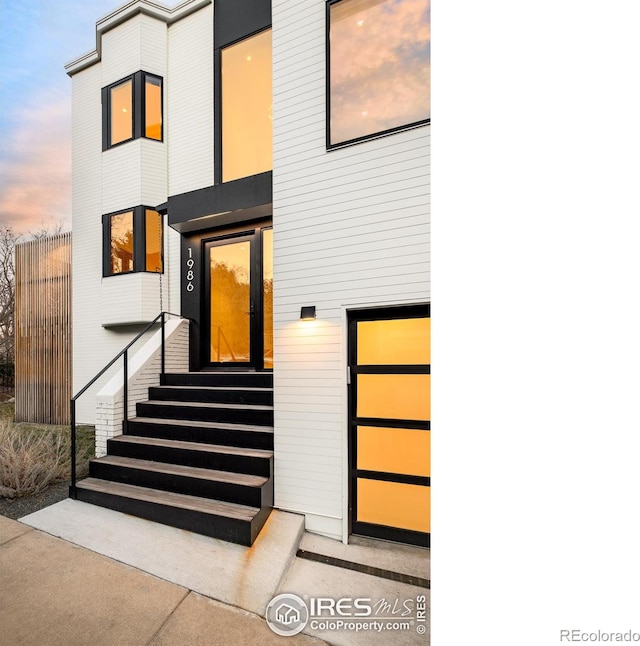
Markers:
(37, 38)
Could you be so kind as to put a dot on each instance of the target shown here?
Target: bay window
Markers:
(131, 109)
(133, 241)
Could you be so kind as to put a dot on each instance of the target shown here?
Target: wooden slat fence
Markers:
(43, 330)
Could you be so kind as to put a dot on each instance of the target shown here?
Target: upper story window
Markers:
(379, 67)
(132, 108)
(133, 241)
(247, 140)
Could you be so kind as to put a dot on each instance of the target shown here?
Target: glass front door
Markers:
(239, 284)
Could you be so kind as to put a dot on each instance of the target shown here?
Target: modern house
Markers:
(259, 169)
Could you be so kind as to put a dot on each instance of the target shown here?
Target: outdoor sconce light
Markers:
(308, 313)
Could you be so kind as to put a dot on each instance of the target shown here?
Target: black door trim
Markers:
(355, 526)
(256, 332)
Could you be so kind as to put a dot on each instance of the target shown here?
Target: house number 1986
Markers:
(190, 263)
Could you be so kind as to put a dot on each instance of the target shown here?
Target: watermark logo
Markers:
(287, 615)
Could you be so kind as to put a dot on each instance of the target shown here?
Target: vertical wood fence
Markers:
(43, 330)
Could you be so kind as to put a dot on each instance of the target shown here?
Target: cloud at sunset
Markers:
(380, 66)
(35, 165)
(37, 38)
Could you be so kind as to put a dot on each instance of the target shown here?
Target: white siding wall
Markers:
(144, 372)
(121, 51)
(126, 176)
(87, 232)
(351, 229)
(190, 102)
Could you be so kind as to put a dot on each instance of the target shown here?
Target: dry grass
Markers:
(34, 456)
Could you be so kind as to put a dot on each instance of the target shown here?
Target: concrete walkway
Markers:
(77, 574)
(54, 593)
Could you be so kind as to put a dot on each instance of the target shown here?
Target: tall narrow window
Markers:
(121, 242)
(247, 107)
(153, 107)
(121, 113)
(132, 108)
(133, 241)
(379, 67)
(153, 241)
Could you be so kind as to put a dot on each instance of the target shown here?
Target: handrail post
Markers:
(73, 449)
(162, 351)
(125, 388)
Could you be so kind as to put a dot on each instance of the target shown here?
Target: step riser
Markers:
(248, 380)
(194, 413)
(226, 491)
(227, 437)
(191, 458)
(166, 393)
(233, 530)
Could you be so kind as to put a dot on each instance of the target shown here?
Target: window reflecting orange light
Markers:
(396, 341)
(153, 240)
(246, 108)
(230, 268)
(267, 291)
(394, 450)
(153, 108)
(121, 112)
(121, 242)
(394, 396)
(394, 504)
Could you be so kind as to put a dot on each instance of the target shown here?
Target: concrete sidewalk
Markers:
(54, 593)
(76, 574)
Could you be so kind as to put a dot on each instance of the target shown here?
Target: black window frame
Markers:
(358, 527)
(139, 241)
(138, 109)
(355, 140)
(236, 20)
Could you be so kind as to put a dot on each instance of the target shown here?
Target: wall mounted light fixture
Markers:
(308, 313)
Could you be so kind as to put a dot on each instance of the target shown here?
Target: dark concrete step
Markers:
(240, 488)
(227, 521)
(240, 378)
(240, 435)
(194, 454)
(199, 411)
(213, 394)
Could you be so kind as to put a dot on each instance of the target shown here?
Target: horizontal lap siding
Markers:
(87, 233)
(190, 102)
(351, 227)
(125, 176)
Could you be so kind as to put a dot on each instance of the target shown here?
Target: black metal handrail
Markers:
(124, 353)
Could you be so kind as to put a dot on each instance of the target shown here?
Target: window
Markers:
(121, 112)
(246, 107)
(132, 108)
(379, 67)
(121, 243)
(133, 241)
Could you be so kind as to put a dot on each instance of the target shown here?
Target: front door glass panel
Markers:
(230, 302)
(267, 295)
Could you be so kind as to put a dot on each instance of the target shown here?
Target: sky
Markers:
(37, 38)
